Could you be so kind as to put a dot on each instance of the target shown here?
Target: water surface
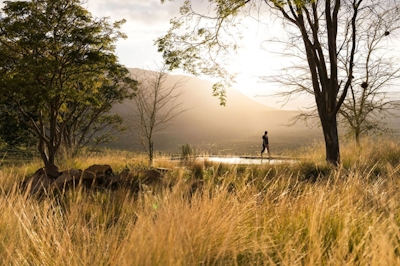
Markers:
(244, 160)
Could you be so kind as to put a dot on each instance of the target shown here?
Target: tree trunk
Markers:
(357, 137)
(47, 152)
(329, 128)
(42, 152)
(49, 156)
(151, 155)
(52, 154)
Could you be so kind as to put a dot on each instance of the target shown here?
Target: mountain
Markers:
(211, 128)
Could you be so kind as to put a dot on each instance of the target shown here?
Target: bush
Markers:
(187, 152)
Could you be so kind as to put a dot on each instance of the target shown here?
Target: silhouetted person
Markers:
(265, 144)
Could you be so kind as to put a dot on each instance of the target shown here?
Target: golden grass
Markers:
(308, 213)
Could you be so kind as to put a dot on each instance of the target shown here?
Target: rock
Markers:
(38, 182)
(66, 178)
(50, 178)
(52, 171)
(151, 176)
(98, 169)
(112, 181)
(97, 174)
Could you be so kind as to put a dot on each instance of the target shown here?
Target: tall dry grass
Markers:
(308, 213)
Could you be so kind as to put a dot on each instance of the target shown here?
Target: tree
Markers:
(367, 105)
(56, 61)
(155, 106)
(12, 132)
(376, 72)
(94, 123)
(322, 26)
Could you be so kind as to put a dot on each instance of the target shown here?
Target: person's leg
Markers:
(269, 155)
(263, 149)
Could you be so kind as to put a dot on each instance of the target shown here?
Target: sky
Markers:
(147, 20)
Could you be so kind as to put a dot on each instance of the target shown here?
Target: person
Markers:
(265, 144)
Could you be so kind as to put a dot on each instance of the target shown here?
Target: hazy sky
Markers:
(149, 19)
(146, 21)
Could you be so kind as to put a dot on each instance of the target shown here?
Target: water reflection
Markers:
(244, 160)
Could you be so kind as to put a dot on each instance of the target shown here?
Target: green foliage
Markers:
(92, 122)
(202, 50)
(13, 132)
(187, 152)
(58, 66)
(200, 43)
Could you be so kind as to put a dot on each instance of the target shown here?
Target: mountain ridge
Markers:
(218, 129)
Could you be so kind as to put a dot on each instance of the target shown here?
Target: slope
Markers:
(234, 128)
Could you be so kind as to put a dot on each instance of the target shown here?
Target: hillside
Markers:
(236, 127)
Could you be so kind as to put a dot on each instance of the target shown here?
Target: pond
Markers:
(245, 160)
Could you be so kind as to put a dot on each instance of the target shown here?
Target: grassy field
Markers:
(307, 213)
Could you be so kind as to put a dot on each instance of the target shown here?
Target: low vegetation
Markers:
(202, 213)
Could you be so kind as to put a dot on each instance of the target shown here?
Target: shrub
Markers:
(187, 152)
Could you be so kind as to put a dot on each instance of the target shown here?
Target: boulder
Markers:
(97, 174)
(100, 169)
(50, 178)
(71, 176)
(150, 177)
(38, 182)
(94, 175)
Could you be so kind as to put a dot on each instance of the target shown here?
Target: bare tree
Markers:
(155, 106)
(375, 73)
(196, 41)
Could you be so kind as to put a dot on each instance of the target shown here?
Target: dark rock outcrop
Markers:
(96, 176)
